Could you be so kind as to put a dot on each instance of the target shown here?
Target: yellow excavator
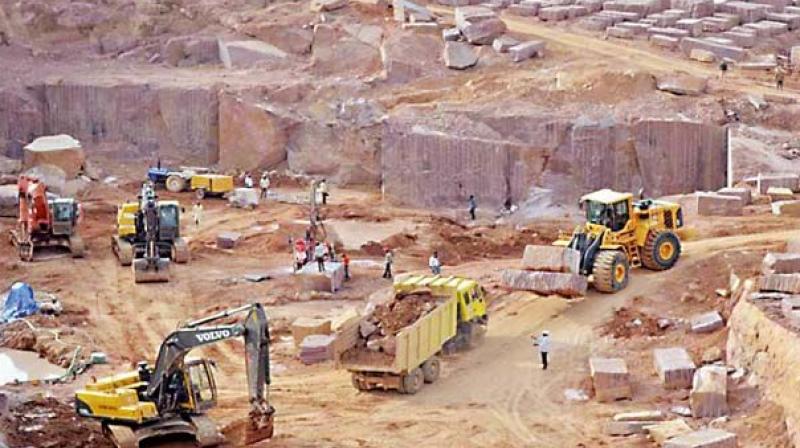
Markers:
(171, 398)
(620, 234)
(148, 236)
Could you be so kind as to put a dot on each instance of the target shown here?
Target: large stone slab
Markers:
(792, 21)
(720, 51)
(306, 326)
(714, 204)
(228, 240)
(551, 258)
(674, 366)
(780, 194)
(706, 322)
(9, 201)
(478, 24)
(696, 8)
(781, 263)
(682, 84)
(503, 43)
(766, 181)
(331, 279)
(639, 416)
(709, 395)
(785, 283)
(62, 151)
(251, 135)
(749, 12)
(704, 438)
(610, 378)
(545, 283)
(459, 55)
(786, 208)
(664, 431)
(526, 50)
(743, 193)
(248, 53)
(554, 13)
(627, 428)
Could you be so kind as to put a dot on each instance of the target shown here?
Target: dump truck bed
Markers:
(415, 343)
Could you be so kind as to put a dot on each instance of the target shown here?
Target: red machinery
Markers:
(45, 220)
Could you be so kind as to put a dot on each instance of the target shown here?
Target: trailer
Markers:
(459, 315)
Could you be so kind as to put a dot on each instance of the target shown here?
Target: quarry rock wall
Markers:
(770, 351)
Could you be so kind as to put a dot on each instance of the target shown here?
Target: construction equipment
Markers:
(45, 220)
(457, 320)
(200, 180)
(620, 234)
(148, 237)
(172, 398)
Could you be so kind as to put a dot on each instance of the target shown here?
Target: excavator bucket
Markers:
(145, 271)
(249, 431)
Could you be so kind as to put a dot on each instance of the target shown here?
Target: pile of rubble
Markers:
(377, 331)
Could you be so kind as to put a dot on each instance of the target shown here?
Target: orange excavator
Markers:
(45, 220)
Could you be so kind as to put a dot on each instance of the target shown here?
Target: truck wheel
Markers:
(356, 382)
(431, 369)
(175, 183)
(610, 271)
(413, 382)
(661, 250)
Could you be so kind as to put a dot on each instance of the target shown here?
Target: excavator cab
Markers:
(169, 221)
(200, 384)
(65, 214)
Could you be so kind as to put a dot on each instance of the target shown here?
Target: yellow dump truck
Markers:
(457, 319)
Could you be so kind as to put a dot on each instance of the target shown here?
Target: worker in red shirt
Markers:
(346, 262)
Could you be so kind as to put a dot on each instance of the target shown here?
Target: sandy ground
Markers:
(493, 395)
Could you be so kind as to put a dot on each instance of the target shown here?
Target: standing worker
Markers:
(346, 263)
(264, 184)
(723, 67)
(435, 264)
(197, 213)
(248, 180)
(323, 190)
(388, 259)
(473, 206)
(319, 254)
(780, 74)
(543, 342)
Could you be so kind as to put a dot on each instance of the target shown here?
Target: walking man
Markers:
(346, 262)
(197, 213)
(780, 74)
(319, 254)
(723, 67)
(543, 342)
(264, 184)
(435, 264)
(473, 206)
(388, 259)
(323, 190)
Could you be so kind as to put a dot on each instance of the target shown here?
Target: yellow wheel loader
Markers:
(148, 237)
(620, 234)
(171, 398)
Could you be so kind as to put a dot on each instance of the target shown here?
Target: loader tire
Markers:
(611, 271)
(413, 382)
(431, 369)
(661, 250)
(175, 183)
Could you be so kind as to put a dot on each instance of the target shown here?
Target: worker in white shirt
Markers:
(543, 342)
(435, 264)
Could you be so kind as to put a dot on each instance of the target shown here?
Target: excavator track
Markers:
(121, 436)
(207, 432)
(123, 250)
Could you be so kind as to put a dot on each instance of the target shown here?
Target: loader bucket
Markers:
(145, 271)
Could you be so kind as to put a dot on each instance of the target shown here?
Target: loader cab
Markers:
(64, 214)
(201, 386)
(608, 209)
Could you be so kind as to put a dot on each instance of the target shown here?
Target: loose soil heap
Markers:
(49, 423)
